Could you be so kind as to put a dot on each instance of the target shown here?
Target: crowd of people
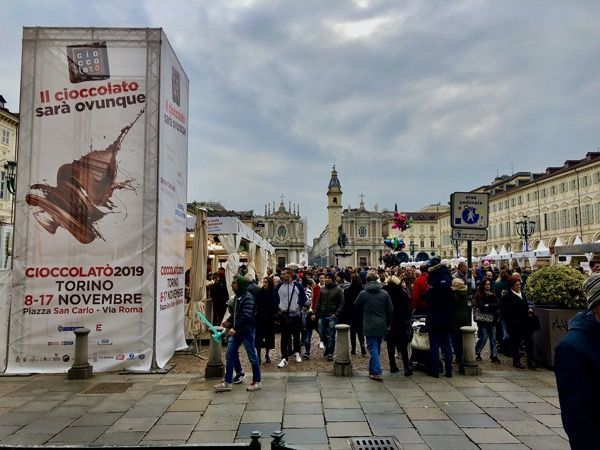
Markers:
(378, 304)
(381, 304)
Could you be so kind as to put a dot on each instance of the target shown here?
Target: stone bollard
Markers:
(214, 366)
(342, 366)
(81, 368)
(469, 366)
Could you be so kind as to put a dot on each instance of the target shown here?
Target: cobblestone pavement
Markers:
(504, 408)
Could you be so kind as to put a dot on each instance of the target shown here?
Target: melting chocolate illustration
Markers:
(83, 192)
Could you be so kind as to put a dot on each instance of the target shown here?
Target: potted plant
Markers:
(557, 293)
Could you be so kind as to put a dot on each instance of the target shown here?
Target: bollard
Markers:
(342, 366)
(469, 366)
(81, 368)
(214, 366)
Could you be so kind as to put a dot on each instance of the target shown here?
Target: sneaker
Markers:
(495, 360)
(478, 358)
(321, 345)
(239, 377)
(223, 387)
(306, 356)
(282, 364)
(298, 357)
(376, 377)
(254, 386)
(363, 351)
(329, 357)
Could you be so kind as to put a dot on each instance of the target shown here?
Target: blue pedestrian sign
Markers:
(469, 210)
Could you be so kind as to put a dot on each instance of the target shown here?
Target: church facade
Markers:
(285, 230)
(365, 231)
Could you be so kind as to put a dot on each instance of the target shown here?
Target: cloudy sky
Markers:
(411, 100)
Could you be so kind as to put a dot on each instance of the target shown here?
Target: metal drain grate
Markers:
(374, 443)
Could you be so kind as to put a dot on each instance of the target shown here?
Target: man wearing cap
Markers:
(577, 370)
(329, 309)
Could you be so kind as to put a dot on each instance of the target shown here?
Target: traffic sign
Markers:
(469, 210)
(466, 234)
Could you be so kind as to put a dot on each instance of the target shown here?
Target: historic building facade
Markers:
(9, 138)
(564, 203)
(285, 230)
(365, 231)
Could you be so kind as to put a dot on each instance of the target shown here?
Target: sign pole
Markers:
(469, 254)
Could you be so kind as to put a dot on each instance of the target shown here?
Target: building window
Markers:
(554, 220)
(494, 207)
(362, 261)
(598, 212)
(543, 193)
(422, 243)
(587, 214)
(501, 231)
(506, 203)
(573, 185)
(597, 177)
(564, 218)
(4, 194)
(575, 216)
(513, 202)
(5, 136)
(362, 231)
(552, 190)
(520, 199)
(335, 200)
(563, 186)
(431, 229)
(586, 180)
(281, 231)
(432, 242)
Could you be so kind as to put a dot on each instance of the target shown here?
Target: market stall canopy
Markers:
(493, 254)
(541, 250)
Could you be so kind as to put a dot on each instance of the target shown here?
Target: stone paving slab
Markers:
(344, 429)
(78, 435)
(545, 442)
(423, 413)
(449, 443)
(474, 421)
(274, 415)
(526, 427)
(180, 418)
(306, 437)
(26, 439)
(120, 438)
(344, 415)
(303, 421)
(437, 427)
(169, 432)
(490, 436)
(199, 437)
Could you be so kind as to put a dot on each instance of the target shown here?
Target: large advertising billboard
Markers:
(88, 181)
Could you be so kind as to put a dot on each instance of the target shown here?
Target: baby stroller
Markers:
(420, 356)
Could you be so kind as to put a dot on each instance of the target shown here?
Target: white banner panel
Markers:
(83, 256)
(172, 210)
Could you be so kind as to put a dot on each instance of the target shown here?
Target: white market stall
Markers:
(230, 232)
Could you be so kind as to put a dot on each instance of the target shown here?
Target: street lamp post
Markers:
(412, 247)
(525, 229)
(456, 243)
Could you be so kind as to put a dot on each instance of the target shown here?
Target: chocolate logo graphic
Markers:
(83, 192)
(88, 62)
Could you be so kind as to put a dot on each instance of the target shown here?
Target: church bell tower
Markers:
(334, 207)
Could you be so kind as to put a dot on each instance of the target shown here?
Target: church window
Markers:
(281, 231)
(362, 231)
(335, 200)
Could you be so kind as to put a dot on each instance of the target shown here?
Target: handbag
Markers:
(482, 317)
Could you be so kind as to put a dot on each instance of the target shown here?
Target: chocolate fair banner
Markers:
(172, 210)
(87, 201)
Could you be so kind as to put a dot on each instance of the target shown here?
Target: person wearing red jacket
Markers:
(419, 306)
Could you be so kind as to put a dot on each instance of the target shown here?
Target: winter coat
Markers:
(219, 292)
(418, 289)
(461, 308)
(439, 298)
(401, 324)
(487, 303)
(376, 305)
(515, 311)
(350, 315)
(242, 309)
(331, 301)
(577, 371)
(290, 297)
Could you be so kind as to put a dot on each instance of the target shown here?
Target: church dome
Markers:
(334, 182)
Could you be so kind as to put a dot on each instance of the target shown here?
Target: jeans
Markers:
(306, 338)
(457, 345)
(437, 341)
(232, 358)
(327, 327)
(374, 346)
(488, 331)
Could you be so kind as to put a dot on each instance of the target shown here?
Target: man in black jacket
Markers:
(241, 328)
(329, 309)
(577, 370)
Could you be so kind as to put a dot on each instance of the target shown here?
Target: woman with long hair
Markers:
(487, 309)
(399, 335)
(266, 309)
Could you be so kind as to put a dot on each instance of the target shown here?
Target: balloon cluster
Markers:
(394, 242)
(401, 221)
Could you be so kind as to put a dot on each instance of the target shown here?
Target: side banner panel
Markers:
(79, 252)
(172, 210)
(5, 297)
